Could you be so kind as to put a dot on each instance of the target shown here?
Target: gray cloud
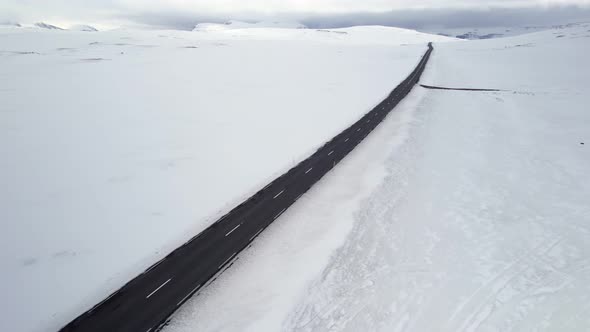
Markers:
(456, 18)
(409, 18)
(415, 14)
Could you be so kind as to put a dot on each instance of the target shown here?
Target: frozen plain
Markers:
(463, 211)
(120, 145)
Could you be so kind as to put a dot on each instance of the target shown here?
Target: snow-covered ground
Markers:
(118, 146)
(464, 211)
(496, 32)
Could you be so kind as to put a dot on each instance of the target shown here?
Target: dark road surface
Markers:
(146, 302)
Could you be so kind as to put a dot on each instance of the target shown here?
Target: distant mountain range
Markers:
(493, 32)
(43, 25)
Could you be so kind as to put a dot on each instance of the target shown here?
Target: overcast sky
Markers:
(316, 13)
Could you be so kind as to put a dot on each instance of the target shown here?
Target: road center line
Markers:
(309, 170)
(279, 194)
(157, 289)
(331, 152)
(227, 260)
(358, 129)
(346, 140)
(233, 229)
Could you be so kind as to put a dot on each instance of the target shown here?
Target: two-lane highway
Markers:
(146, 302)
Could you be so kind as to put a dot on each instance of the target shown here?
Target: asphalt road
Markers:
(146, 302)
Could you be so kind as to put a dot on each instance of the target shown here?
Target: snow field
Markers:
(121, 145)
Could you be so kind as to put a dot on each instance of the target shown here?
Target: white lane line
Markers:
(358, 129)
(148, 330)
(103, 301)
(157, 289)
(368, 121)
(108, 298)
(309, 170)
(153, 266)
(233, 229)
(227, 260)
(255, 235)
(222, 219)
(331, 152)
(279, 214)
(189, 294)
(298, 197)
(346, 140)
(279, 194)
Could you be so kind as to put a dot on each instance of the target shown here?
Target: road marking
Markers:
(115, 293)
(233, 229)
(153, 266)
(255, 235)
(148, 330)
(358, 129)
(157, 289)
(298, 197)
(331, 152)
(279, 214)
(103, 301)
(227, 260)
(189, 294)
(368, 121)
(279, 194)
(309, 170)
(222, 219)
(346, 140)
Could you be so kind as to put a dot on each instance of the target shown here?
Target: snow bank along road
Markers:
(145, 302)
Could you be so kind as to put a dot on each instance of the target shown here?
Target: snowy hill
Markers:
(245, 25)
(83, 27)
(9, 24)
(359, 35)
(44, 25)
(496, 32)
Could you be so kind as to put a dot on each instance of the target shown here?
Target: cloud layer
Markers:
(316, 13)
